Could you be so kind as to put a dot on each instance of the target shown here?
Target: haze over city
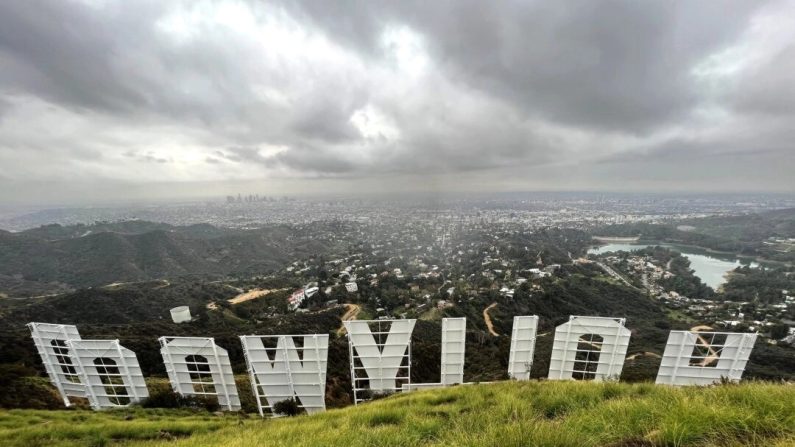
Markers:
(103, 100)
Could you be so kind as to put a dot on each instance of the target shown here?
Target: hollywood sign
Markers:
(284, 367)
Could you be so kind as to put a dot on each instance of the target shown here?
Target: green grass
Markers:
(678, 315)
(88, 428)
(502, 414)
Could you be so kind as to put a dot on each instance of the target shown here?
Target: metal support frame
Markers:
(615, 340)
(728, 359)
(453, 350)
(86, 352)
(44, 336)
(280, 373)
(355, 356)
(523, 343)
(385, 356)
(217, 361)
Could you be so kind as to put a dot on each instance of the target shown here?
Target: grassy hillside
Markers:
(503, 414)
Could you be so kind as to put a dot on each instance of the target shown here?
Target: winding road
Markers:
(350, 314)
(487, 319)
(615, 274)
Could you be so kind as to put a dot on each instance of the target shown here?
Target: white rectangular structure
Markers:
(51, 344)
(523, 346)
(589, 348)
(703, 358)
(281, 370)
(382, 357)
(110, 372)
(454, 332)
(196, 366)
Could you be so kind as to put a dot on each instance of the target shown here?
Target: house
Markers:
(296, 299)
(442, 304)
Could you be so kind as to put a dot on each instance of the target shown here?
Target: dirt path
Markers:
(242, 297)
(487, 319)
(252, 295)
(162, 283)
(350, 314)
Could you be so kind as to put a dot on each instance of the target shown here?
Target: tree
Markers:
(779, 331)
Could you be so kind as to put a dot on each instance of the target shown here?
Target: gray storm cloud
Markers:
(145, 92)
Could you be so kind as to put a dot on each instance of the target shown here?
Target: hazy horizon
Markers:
(109, 100)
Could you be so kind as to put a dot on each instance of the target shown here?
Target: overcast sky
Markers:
(106, 99)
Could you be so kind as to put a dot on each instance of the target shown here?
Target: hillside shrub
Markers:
(19, 388)
(166, 398)
(287, 407)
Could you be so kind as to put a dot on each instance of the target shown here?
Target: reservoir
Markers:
(709, 267)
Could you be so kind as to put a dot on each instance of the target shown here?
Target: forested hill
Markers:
(748, 227)
(764, 235)
(54, 258)
(54, 232)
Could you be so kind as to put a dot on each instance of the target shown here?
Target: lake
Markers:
(709, 267)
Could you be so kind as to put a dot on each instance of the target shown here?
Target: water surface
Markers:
(710, 268)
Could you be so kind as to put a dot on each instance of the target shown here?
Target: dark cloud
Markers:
(242, 155)
(360, 89)
(617, 64)
(65, 53)
(312, 161)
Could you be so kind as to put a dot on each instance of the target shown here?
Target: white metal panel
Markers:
(454, 331)
(381, 358)
(724, 360)
(50, 341)
(610, 350)
(110, 373)
(180, 314)
(523, 346)
(286, 371)
(192, 377)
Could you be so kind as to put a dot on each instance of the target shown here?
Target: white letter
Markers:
(50, 341)
(110, 373)
(703, 358)
(285, 373)
(196, 366)
(454, 331)
(523, 345)
(380, 359)
(589, 348)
